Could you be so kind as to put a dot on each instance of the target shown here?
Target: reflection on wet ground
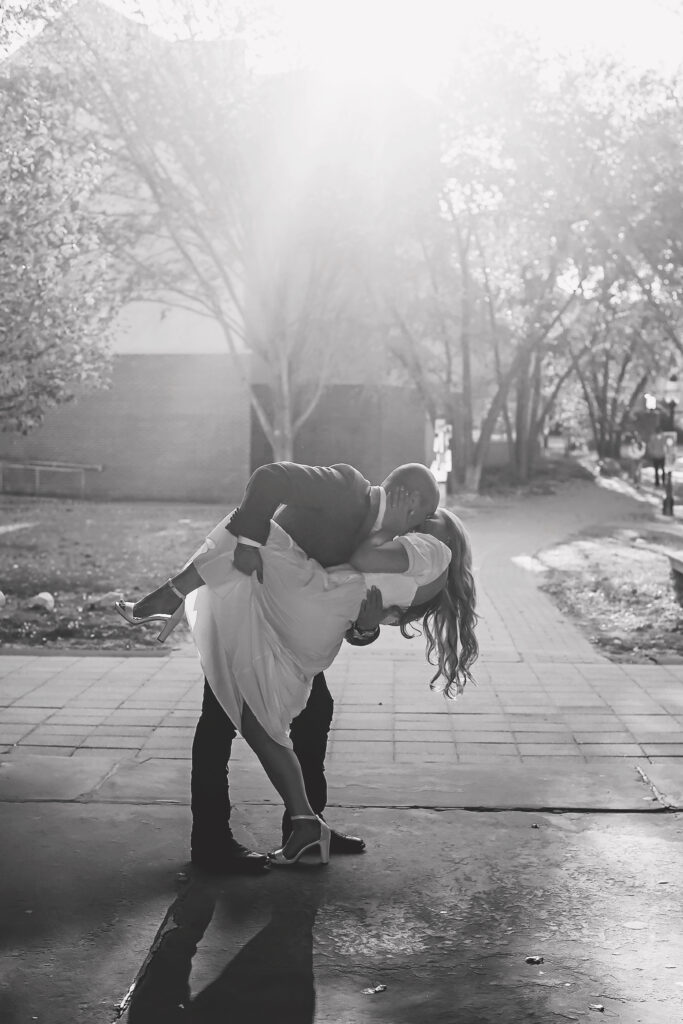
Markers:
(444, 920)
(261, 971)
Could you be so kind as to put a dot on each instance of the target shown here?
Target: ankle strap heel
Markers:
(316, 852)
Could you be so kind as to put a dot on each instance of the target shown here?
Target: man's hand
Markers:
(247, 559)
(399, 516)
(371, 611)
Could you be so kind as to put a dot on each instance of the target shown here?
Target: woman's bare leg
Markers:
(282, 767)
(163, 599)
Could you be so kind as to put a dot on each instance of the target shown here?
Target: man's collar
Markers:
(377, 525)
(377, 501)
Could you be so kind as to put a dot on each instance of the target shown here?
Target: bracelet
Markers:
(171, 585)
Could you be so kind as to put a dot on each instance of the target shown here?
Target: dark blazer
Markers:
(328, 510)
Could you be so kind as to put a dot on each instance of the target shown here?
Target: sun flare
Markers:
(379, 41)
(416, 42)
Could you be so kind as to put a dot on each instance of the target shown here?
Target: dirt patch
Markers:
(616, 583)
(551, 472)
(77, 550)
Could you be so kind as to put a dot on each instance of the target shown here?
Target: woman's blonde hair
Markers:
(449, 618)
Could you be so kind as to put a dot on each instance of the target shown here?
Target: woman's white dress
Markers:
(262, 643)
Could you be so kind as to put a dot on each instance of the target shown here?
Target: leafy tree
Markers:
(627, 350)
(644, 212)
(56, 302)
(513, 283)
(488, 264)
(20, 20)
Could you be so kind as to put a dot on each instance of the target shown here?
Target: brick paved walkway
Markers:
(544, 694)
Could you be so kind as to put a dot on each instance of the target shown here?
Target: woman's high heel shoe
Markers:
(125, 610)
(317, 852)
(172, 622)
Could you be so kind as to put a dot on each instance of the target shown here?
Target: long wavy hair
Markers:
(449, 618)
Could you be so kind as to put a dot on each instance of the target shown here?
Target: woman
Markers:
(260, 644)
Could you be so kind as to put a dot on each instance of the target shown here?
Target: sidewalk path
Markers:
(544, 695)
(449, 911)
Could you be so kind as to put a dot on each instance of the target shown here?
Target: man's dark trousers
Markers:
(211, 750)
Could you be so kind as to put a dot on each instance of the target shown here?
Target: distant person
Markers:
(268, 618)
(656, 449)
(633, 452)
(571, 444)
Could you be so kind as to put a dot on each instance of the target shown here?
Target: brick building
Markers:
(176, 423)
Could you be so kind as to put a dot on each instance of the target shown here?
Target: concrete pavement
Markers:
(543, 692)
(94, 790)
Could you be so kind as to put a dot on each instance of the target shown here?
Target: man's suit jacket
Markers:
(327, 510)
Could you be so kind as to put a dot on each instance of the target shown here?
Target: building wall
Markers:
(170, 427)
(179, 428)
(156, 328)
(373, 427)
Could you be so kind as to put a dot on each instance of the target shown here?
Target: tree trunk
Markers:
(473, 477)
(522, 420)
(282, 444)
(481, 449)
(283, 432)
(509, 434)
(459, 445)
(466, 359)
(536, 423)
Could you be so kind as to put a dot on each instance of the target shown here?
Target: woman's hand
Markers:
(371, 611)
(398, 512)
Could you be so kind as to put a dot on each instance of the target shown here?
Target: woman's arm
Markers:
(380, 553)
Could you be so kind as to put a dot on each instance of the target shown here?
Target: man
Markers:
(656, 451)
(327, 511)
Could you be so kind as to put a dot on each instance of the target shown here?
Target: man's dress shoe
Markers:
(340, 843)
(235, 860)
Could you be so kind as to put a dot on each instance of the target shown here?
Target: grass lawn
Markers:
(77, 550)
(615, 582)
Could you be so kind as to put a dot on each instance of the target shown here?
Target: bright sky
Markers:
(415, 40)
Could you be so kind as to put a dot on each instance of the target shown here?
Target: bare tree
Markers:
(212, 194)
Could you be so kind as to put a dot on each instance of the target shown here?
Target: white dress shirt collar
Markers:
(377, 525)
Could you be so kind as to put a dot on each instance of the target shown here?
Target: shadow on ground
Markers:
(443, 910)
(443, 922)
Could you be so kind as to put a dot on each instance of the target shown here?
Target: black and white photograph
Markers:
(341, 512)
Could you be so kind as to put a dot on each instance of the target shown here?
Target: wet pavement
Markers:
(446, 942)
(443, 911)
(539, 816)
